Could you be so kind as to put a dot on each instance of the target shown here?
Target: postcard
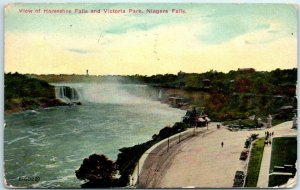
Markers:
(150, 95)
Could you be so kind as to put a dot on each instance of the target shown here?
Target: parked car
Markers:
(238, 183)
(239, 175)
(239, 179)
(244, 155)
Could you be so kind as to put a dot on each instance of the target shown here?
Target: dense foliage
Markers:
(97, 171)
(225, 96)
(279, 82)
(22, 92)
(18, 85)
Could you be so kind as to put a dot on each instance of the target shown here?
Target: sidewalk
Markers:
(281, 130)
(139, 167)
(263, 177)
(197, 161)
(157, 159)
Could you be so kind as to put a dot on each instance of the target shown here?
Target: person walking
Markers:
(222, 144)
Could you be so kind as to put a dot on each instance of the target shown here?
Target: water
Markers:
(51, 143)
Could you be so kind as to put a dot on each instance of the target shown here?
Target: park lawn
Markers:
(284, 151)
(255, 162)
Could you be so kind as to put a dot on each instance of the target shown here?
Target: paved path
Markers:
(281, 130)
(160, 158)
(183, 136)
(196, 161)
(200, 161)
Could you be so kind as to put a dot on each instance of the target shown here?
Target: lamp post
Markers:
(196, 123)
(207, 125)
(138, 170)
(168, 144)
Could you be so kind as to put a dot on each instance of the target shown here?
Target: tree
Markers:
(98, 171)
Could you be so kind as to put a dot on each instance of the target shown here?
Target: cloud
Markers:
(144, 26)
(273, 31)
(148, 44)
(81, 51)
(263, 26)
(231, 21)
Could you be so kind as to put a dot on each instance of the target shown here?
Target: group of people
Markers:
(269, 134)
(268, 138)
(268, 142)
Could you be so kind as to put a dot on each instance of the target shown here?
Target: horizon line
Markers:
(151, 74)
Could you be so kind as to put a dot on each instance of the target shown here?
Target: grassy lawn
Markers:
(284, 151)
(254, 163)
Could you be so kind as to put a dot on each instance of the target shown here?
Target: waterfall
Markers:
(107, 93)
(66, 94)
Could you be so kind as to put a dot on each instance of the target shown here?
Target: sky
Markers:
(219, 37)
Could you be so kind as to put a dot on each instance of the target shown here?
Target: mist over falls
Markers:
(55, 140)
(107, 93)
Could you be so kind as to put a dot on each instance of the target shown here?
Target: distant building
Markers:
(246, 70)
(87, 72)
(194, 118)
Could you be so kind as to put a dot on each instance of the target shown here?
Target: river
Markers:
(49, 144)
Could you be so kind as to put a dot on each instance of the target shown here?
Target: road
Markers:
(199, 161)
(160, 159)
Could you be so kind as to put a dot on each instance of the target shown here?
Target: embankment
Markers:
(24, 93)
(155, 162)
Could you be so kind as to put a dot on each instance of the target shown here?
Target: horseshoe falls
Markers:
(51, 143)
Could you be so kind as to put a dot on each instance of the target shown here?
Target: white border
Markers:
(4, 2)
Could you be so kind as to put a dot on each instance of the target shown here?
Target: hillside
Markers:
(22, 93)
(224, 96)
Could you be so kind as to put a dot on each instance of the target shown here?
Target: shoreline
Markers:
(40, 106)
(143, 158)
(185, 136)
